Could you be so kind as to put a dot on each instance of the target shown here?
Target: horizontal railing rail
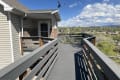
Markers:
(35, 65)
(33, 42)
(97, 65)
(100, 66)
(37, 37)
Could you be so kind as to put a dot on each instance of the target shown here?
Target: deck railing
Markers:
(99, 66)
(33, 66)
(38, 63)
(94, 65)
(33, 42)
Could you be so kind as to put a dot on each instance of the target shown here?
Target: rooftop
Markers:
(18, 8)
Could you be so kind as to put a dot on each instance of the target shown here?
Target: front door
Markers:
(43, 29)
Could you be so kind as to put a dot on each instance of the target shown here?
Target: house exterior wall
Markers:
(54, 31)
(44, 21)
(30, 25)
(5, 44)
(16, 25)
(27, 23)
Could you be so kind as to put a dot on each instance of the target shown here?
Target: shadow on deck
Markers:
(81, 71)
(70, 64)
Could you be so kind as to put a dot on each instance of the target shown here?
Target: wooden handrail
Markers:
(99, 66)
(103, 68)
(37, 37)
(33, 42)
(41, 59)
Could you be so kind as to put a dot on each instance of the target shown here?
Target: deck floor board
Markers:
(64, 68)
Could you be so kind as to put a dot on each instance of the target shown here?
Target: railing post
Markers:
(94, 40)
(41, 42)
(22, 75)
(21, 41)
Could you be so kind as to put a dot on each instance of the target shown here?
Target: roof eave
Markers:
(6, 6)
(56, 13)
(18, 12)
(15, 11)
(51, 12)
(11, 9)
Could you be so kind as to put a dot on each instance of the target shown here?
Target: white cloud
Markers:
(96, 14)
(106, 0)
(73, 5)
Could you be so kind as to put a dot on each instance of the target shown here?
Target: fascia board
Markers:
(6, 6)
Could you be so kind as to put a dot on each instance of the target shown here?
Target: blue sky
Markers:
(81, 12)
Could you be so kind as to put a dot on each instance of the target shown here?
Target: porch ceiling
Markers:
(43, 14)
(39, 15)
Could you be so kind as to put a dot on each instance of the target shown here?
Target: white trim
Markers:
(20, 42)
(39, 29)
(6, 6)
(21, 35)
(11, 40)
(55, 11)
(22, 26)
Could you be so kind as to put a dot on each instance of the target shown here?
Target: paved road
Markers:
(64, 68)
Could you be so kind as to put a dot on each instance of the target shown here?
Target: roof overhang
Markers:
(18, 12)
(32, 13)
(11, 9)
(43, 14)
(57, 15)
(6, 6)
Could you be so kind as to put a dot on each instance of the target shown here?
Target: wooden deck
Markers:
(64, 69)
(56, 61)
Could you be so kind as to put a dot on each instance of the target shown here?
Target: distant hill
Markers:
(107, 26)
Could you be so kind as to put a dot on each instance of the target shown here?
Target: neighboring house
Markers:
(17, 21)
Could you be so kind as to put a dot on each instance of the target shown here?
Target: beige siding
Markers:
(5, 45)
(16, 24)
